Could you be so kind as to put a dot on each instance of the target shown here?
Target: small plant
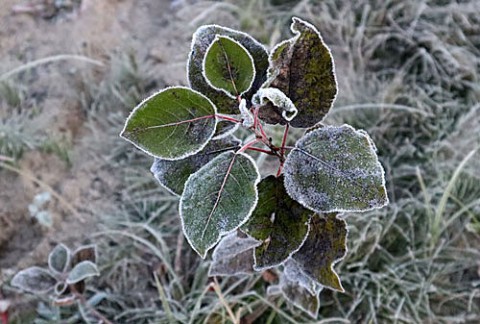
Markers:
(289, 219)
(64, 279)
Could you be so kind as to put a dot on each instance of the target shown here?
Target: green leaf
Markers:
(335, 169)
(325, 245)
(283, 107)
(278, 221)
(173, 174)
(225, 128)
(172, 124)
(202, 39)
(217, 199)
(233, 256)
(302, 68)
(299, 296)
(59, 259)
(228, 67)
(34, 280)
(82, 271)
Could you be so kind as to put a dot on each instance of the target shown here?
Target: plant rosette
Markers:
(290, 220)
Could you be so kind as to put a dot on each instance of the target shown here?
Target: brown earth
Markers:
(154, 31)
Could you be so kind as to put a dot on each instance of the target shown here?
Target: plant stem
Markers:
(85, 304)
(282, 150)
(248, 145)
(261, 150)
(233, 120)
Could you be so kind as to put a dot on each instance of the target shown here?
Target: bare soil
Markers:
(155, 31)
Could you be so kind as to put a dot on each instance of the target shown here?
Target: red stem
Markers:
(282, 150)
(284, 139)
(261, 150)
(233, 120)
(248, 145)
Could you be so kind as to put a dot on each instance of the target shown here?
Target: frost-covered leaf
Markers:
(202, 39)
(302, 68)
(172, 124)
(218, 199)
(173, 174)
(82, 271)
(228, 67)
(247, 116)
(224, 129)
(34, 280)
(295, 274)
(278, 221)
(85, 253)
(233, 256)
(59, 259)
(299, 296)
(325, 245)
(60, 288)
(335, 169)
(276, 103)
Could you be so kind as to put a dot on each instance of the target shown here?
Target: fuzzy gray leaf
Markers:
(34, 280)
(335, 169)
(82, 271)
(233, 256)
(59, 259)
(299, 296)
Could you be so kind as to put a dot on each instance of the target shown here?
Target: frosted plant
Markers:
(289, 220)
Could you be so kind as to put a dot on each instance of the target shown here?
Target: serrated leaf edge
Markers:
(221, 234)
(377, 161)
(217, 37)
(155, 94)
(256, 268)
